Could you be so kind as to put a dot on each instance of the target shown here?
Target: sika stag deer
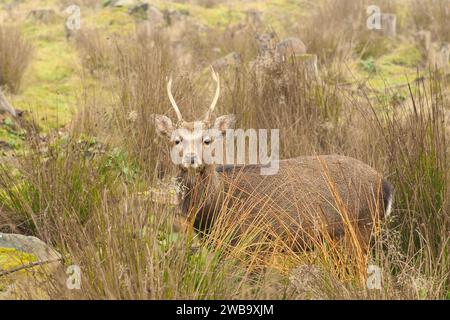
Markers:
(307, 196)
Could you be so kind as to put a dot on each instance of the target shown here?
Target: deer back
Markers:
(309, 194)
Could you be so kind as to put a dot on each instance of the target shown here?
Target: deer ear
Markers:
(225, 122)
(163, 125)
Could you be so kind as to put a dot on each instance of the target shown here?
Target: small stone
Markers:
(123, 3)
(139, 10)
(439, 56)
(309, 64)
(5, 106)
(155, 16)
(388, 25)
(5, 146)
(290, 47)
(423, 37)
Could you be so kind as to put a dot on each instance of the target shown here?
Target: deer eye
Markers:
(177, 140)
(207, 140)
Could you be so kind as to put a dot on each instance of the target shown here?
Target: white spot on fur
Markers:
(389, 206)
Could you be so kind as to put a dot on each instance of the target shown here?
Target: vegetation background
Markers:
(83, 170)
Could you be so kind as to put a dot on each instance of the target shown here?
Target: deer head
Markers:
(192, 141)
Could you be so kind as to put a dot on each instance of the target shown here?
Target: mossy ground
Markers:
(396, 67)
(51, 83)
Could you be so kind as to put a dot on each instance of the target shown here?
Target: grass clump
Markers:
(15, 56)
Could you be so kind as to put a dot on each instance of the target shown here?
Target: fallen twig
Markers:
(27, 266)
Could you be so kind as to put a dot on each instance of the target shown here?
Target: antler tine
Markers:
(216, 96)
(172, 100)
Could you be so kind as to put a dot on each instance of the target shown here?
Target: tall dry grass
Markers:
(432, 16)
(86, 192)
(15, 56)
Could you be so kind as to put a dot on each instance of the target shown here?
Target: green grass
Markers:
(12, 135)
(405, 55)
(84, 190)
(51, 81)
(396, 67)
(116, 20)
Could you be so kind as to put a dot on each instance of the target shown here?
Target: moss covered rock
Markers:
(20, 268)
(11, 258)
(28, 244)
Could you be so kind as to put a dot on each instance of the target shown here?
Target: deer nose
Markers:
(190, 158)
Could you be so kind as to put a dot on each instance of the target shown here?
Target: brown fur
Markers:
(308, 195)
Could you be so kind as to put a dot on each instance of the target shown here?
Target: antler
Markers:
(172, 100)
(216, 96)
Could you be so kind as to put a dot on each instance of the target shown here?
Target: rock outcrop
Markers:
(24, 261)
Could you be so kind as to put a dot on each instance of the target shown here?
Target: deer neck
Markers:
(199, 196)
(199, 184)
